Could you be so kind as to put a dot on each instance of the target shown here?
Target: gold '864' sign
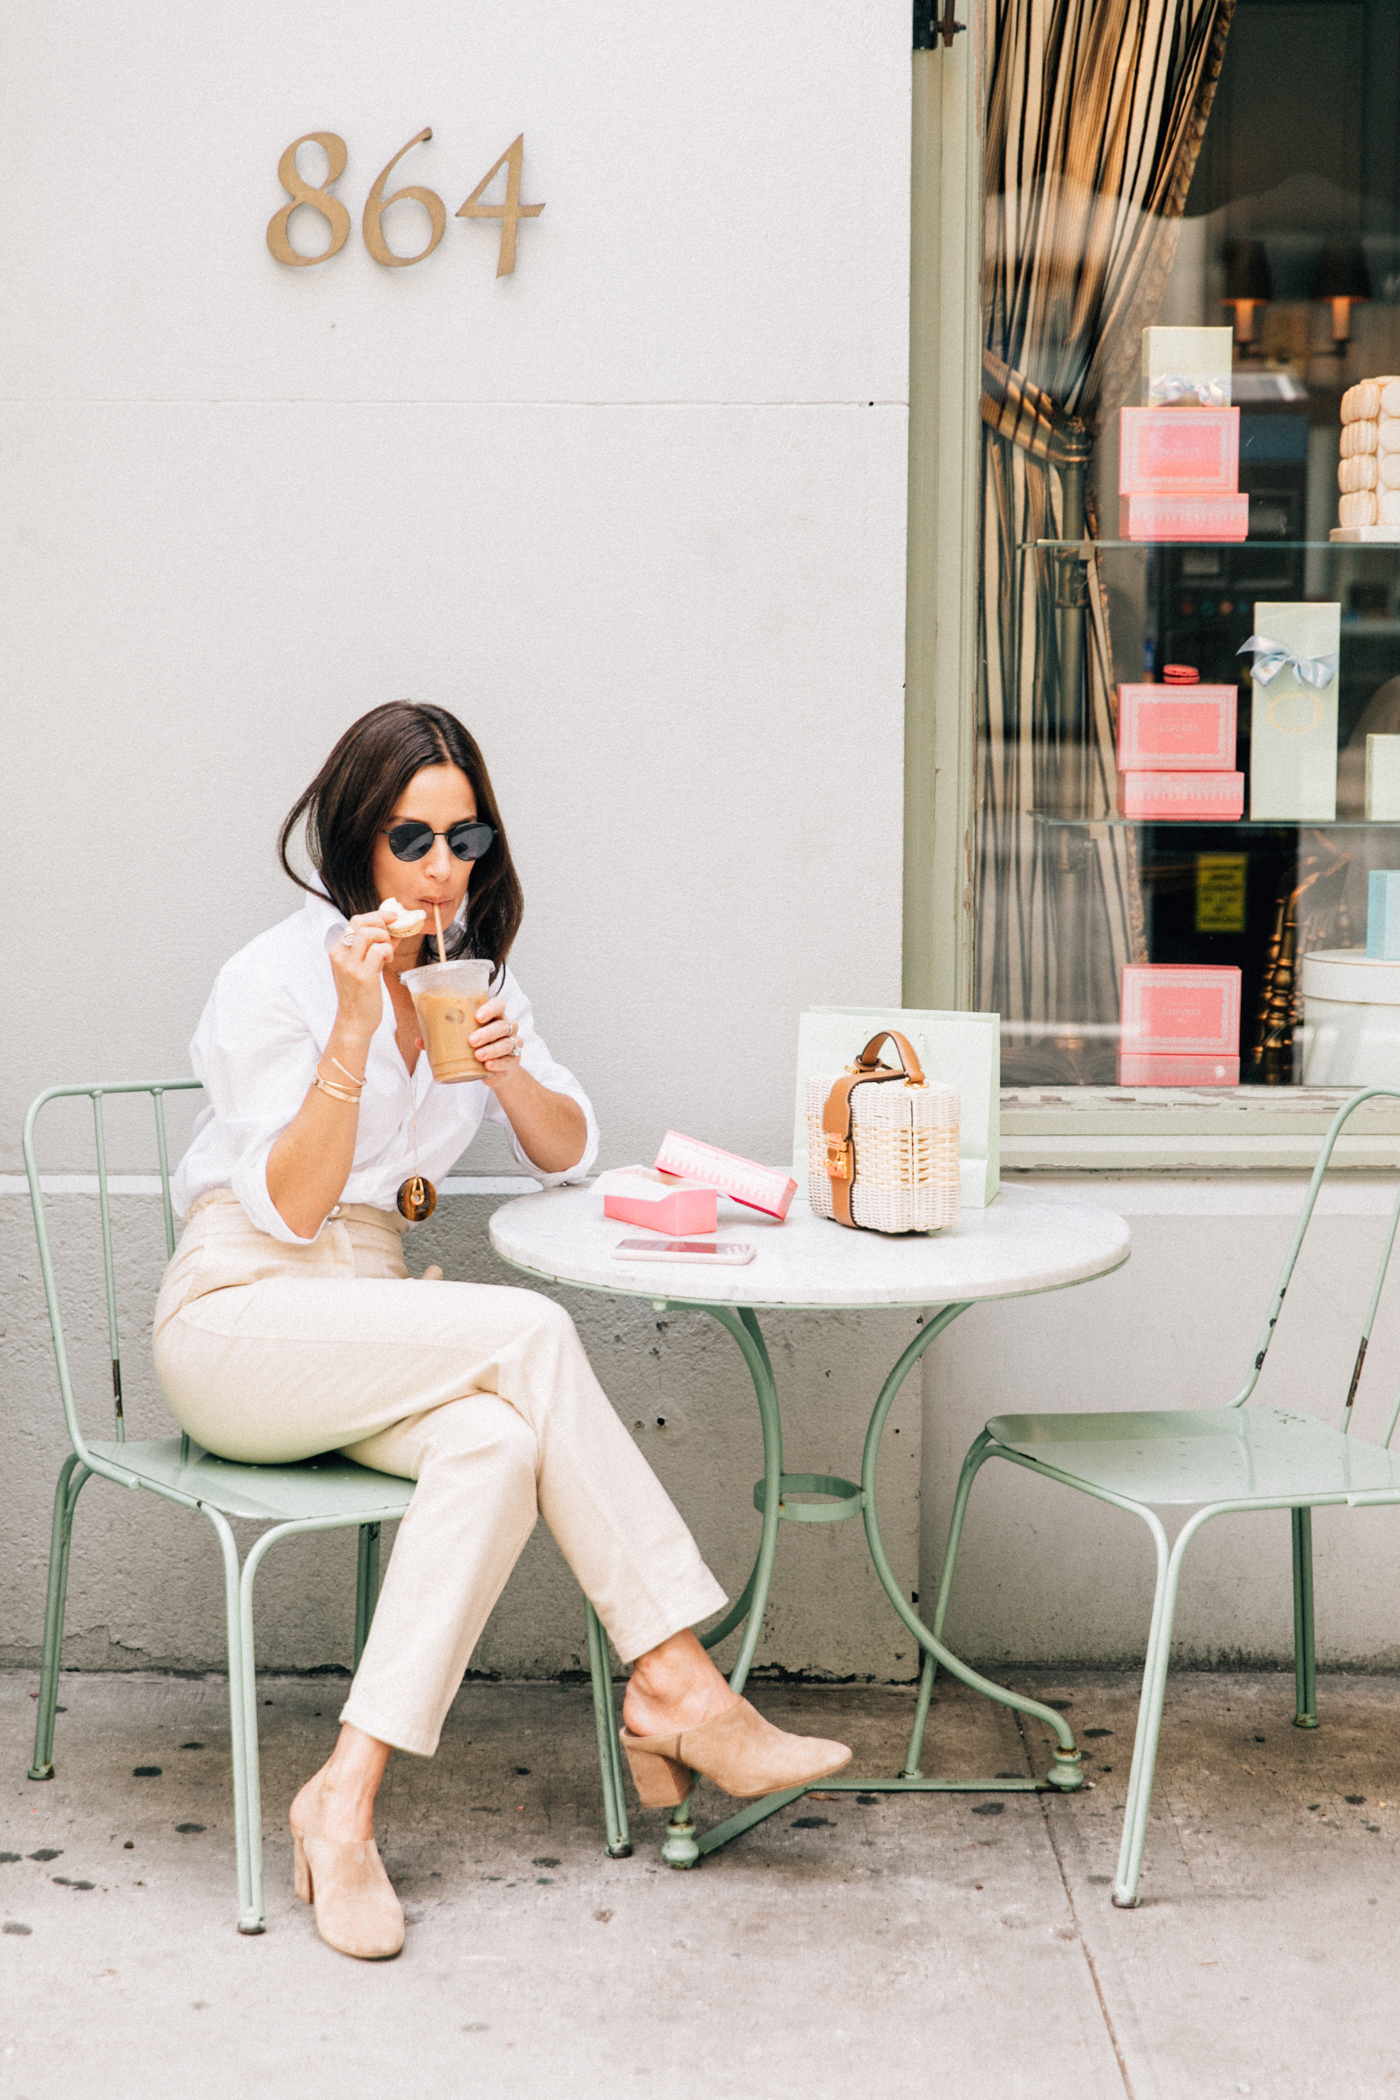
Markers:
(319, 197)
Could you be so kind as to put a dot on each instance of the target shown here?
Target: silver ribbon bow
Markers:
(1170, 387)
(1271, 657)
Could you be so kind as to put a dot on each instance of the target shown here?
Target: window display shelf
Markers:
(1344, 547)
(1277, 824)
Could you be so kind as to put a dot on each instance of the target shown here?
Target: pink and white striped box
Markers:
(1177, 1010)
(1177, 728)
(1187, 518)
(1178, 451)
(767, 1189)
(1181, 798)
(661, 1202)
(1176, 1071)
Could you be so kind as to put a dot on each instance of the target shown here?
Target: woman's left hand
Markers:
(496, 1042)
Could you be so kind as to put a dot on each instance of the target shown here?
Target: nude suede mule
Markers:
(357, 1911)
(740, 1751)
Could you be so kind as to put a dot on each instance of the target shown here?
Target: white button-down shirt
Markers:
(256, 1049)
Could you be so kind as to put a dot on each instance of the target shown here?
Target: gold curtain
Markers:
(1096, 111)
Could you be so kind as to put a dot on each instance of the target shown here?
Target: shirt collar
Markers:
(325, 918)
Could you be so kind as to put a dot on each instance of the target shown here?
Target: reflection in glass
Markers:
(1244, 172)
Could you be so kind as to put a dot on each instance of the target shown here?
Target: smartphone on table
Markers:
(732, 1253)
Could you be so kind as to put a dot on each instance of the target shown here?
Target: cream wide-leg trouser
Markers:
(481, 1393)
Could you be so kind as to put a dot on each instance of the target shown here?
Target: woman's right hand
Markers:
(357, 965)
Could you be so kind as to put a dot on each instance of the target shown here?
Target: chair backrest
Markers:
(1290, 1263)
(157, 1090)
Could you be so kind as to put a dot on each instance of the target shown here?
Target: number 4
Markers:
(509, 213)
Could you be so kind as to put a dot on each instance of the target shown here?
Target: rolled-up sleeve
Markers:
(535, 1057)
(256, 1059)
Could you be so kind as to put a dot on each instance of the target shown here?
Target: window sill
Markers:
(1185, 1130)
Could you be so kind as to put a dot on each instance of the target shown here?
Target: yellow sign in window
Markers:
(1220, 892)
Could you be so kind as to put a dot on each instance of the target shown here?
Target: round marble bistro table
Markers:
(809, 1264)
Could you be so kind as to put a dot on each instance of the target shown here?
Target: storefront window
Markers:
(1148, 795)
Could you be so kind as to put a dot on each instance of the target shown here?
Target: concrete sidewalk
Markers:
(953, 1945)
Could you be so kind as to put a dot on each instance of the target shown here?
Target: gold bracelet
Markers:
(346, 1070)
(337, 1093)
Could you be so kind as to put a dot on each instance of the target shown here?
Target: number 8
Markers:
(320, 200)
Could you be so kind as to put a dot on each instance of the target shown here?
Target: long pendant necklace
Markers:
(417, 1198)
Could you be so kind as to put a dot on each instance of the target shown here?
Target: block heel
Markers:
(661, 1781)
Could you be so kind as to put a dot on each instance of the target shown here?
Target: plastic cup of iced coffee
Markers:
(446, 998)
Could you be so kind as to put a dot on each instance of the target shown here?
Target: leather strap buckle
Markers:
(838, 1158)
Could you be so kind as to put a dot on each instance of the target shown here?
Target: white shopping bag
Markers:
(963, 1049)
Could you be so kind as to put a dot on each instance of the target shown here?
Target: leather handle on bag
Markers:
(836, 1114)
(869, 1056)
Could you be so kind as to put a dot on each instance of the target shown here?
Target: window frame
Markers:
(1048, 1128)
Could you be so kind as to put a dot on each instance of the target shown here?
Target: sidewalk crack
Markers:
(1104, 2012)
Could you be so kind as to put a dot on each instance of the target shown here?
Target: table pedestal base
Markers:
(683, 1847)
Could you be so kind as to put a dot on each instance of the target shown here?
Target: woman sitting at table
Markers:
(284, 1327)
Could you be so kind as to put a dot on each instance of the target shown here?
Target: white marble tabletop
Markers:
(1005, 1251)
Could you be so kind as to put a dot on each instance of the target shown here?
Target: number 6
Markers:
(376, 204)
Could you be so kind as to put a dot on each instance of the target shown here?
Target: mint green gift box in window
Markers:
(1295, 651)
(1383, 915)
(962, 1050)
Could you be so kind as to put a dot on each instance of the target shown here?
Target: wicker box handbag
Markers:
(883, 1155)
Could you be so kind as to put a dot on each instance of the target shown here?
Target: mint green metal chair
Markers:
(323, 1494)
(1216, 1461)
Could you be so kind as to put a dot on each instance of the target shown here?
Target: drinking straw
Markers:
(437, 921)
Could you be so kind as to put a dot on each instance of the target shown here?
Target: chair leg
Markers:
(1154, 1684)
(972, 1465)
(71, 1479)
(609, 1747)
(366, 1586)
(247, 1827)
(1304, 1653)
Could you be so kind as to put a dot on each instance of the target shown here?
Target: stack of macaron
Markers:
(1369, 472)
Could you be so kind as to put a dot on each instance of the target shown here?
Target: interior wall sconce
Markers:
(1344, 281)
(1248, 286)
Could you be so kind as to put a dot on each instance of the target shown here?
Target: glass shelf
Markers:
(1255, 546)
(1042, 816)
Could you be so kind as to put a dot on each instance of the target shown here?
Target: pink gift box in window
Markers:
(1179, 452)
(1185, 518)
(1177, 728)
(1177, 1071)
(1176, 1012)
(1181, 798)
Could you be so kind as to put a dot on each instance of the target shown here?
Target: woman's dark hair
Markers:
(349, 802)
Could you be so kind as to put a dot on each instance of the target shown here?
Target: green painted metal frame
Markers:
(683, 1845)
(1170, 1555)
(85, 1463)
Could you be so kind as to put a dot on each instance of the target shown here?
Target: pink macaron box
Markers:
(1149, 1070)
(1186, 518)
(1177, 728)
(1179, 452)
(768, 1189)
(1181, 798)
(1181, 1009)
(661, 1202)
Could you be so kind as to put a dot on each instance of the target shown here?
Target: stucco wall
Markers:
(636, 512)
